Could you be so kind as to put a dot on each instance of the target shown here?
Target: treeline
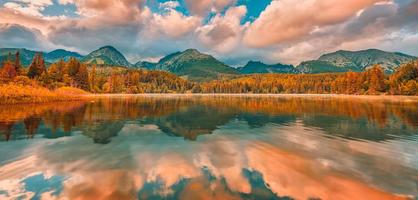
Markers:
(373, 81)
(91, 78)
(114, 79)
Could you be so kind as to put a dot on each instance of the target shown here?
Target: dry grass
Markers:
(70, 91)
(16, 93)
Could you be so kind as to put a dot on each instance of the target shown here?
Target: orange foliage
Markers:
(14, 93)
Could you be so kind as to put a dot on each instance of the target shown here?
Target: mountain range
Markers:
(198, 66)
(26, 55)
(342, 61)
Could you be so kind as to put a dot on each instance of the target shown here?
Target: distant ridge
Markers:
(253, 67)
(341, 61)
(58, 54)
(145, 65)
(26, 55)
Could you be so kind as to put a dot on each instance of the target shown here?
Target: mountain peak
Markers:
(194, 65)
(108, 47)
(251, 62)
(106, 55)
(193, 53)
(253, 67)
(58, 50)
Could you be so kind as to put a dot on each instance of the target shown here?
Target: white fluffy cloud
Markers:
(286, 20)
(169, 5)
(31, 7)
(170, 23)
(65, 2)
(224, 32)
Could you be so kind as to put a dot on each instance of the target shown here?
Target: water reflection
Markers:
(190, 117)
(210, 148)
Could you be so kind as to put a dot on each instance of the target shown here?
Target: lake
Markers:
(211, 147)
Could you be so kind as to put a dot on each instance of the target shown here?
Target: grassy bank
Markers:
(15, 93)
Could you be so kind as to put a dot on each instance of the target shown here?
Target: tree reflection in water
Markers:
(190, 117)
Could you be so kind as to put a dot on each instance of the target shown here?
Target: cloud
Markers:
(203, 7)
(118, 11)
(10, 16)
(34, 7)
(123, 37)
(65, 2)
(287, 20)
(383, 26)
(171, 23)
(199, 7)
(16, 36)
(169, 5)
(224, 32)
(287, 31)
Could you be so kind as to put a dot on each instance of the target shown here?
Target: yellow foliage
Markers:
(16, 93)
(70, 91)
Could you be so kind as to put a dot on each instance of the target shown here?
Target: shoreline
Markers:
(89, 97)
(363, 97)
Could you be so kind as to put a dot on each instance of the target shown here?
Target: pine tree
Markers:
(33, 69)
(18, 66)
(37, 67)
(72, 67)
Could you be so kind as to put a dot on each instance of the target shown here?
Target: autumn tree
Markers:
(375, 80)
(405, 80)
(72, 67)
(56, 71)
(8, 70)
(37, 67)
(93, 79)
(82, 78)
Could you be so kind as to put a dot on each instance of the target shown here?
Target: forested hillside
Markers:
(112, 79)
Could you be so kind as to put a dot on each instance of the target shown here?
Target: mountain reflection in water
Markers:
(210, 147)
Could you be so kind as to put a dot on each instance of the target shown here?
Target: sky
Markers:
(234, 31)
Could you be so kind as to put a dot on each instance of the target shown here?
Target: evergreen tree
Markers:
(72, 67)
(37, 67)
(18, 66)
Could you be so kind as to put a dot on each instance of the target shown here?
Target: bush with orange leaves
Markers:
(24, 90)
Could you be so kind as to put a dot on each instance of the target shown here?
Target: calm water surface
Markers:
(210, 147)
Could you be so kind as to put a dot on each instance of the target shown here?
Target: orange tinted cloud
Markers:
(122, 11)
(203, 7)
(286, 20)
(291, 174)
